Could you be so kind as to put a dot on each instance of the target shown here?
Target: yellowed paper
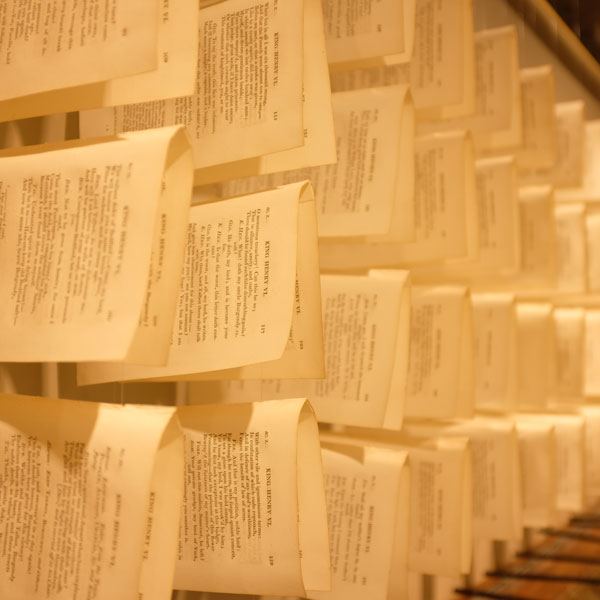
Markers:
(497, 513)
(440, 531)
(492, 230)
(441, 73)
(567, 170)
(569, 330)
(365, 336)
(57, 45)
(571, 267)
(592, 238)
(361, 33)
(538, 236)
(494, 351)
(238, 291)
(440, 499)
(496, 123)
(591, 373)
(319, 144)
(82, 225)
(366, 503)
(569, 443)
(236, 112)
(81, 481)
(440, 367)
(538, 463)
(539, 148)
(174, 75)
(357, 196)
(591, 414)
(535, 354)
(589, 189)
(445, 204)
(267, 458)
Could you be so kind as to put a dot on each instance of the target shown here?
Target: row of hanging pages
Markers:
(369, 205)
(131, 501)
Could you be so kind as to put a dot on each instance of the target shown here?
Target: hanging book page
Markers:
(249, 299)
(381, 32)
(252, 471)
(440, 367)
(91, 247)
(62, 45)
(571, 267)
(495, 351)
(497, 513)
(539, 148)
(589, 188)
(95, 499)
(240, 109)
(444, 209)
(535, 355)
(569, 332)
(441, 73)
(176, 57)
(366, 341)
(567, 170)
(538, 463)
(367, 491)
(496, 123)
(319, 144)
(370, 188)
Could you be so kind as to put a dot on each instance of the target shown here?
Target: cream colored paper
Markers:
(569, 442)
(569, 332)
(91, 503)
(493, 230)
(494, 351)
(538, 462)
(371, 32)
(441, 73)
(365, 336)
(367, 510)
(591, 372)
(61, 45)
(589, 189)
(535, 355)
(445, 204)
(319, 144)
(263, 528)
(82, 225)
(591, 414)
(571, 138)
(496, 123)
(539, 149)
(592, 235)
(537, 236)
(440, 530)
(497, 512)
(239, 299)
(440, 502)
(365, 323)
(497, 201)
(359, 194)
(571, 264)
(567, 170)
(174, 75)
(440, 368)
(236, 112)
